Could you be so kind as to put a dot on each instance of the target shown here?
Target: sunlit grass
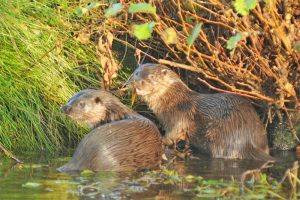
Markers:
(41, 66)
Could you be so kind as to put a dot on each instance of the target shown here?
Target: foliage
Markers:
(297, 46)
(49, 48)
(113, 10)
(196, 30)
(254, 55)
(31, 185)
(169, 36)
(81, 11)
(41, 66)
(141, 7)
(232, 42)
(143, 31)
(244, 6)
(43, 181)
(283, 139)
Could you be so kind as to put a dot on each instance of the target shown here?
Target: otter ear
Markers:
(98, 100)
(164, 72)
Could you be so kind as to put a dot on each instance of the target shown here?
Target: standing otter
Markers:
(121, 140)
(222, 125)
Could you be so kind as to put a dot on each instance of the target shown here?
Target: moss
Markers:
(283, 138)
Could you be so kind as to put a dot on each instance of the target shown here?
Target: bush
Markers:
(250, 48)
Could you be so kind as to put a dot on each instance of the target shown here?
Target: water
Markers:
(38, 178)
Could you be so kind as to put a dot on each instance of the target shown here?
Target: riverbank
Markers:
(41, 66)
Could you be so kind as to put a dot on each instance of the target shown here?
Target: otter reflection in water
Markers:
(221, 125)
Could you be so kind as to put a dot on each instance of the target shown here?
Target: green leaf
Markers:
(231, 43)
(244, 6)
(143, 31)
(141, 7)
(86, 172)
(92, 5)
(33, 166)
(189, 178)
(297, 47)
(208, 196)
(189, 19)
(31, 185)
(169, 36)
(191, 39)
(81, 11)
(113, 10)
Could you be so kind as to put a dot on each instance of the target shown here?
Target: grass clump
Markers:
(41, 66)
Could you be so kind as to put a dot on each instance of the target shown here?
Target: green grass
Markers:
(41, 66)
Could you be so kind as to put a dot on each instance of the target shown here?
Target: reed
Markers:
(41, 66)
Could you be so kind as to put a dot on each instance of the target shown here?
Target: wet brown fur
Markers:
(121, 140)
(222, 125)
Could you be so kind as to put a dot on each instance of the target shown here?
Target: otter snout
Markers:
(66, 109)
(135, 76)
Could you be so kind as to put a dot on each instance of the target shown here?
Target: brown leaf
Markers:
(110, 68)
(105, 43)
(289, 88)
(110, 38)
(100, 46)
(137, 55)
(83, 37)
(103, 61)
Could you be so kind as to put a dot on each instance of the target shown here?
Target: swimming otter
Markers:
(222, 125)
(120, 140)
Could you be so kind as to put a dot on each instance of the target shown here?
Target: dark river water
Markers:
(38, 178)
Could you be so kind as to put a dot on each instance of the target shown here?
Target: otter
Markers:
(120, 140)
(221, 125)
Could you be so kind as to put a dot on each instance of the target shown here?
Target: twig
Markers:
(9, 154)
(290, 173)
(132, 46)
(249, 70)
(194, 69)
(291, 125)
(264, 166)
(221, 90)
(174, 64)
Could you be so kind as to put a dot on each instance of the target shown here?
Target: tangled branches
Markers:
(263, 64)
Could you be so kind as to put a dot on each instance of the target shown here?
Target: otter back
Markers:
(124, 145)
(229, 127)
(121, 140)
(221, 125)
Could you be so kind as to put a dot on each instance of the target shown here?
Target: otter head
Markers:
(153, 79)
(93, 107)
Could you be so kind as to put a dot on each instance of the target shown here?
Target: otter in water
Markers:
(221, 125)
(120, 140)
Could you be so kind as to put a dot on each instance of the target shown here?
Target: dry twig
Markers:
(9, 154)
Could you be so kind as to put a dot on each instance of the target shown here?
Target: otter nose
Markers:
(66, 109)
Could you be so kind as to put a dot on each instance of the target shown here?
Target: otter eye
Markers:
(98, 100)
(151, 76)
(82, 104)
(180, 145)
